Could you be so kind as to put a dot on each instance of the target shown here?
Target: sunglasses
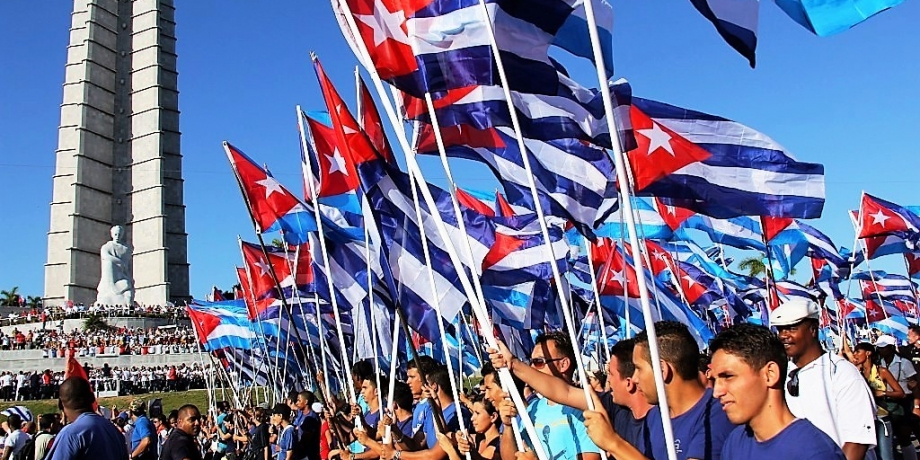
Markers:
(792, 386)
(540, 362)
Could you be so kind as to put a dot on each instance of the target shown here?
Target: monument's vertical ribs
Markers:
(118, 157)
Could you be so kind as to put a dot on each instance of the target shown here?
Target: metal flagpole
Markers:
(327, 269)
(597, 298)
(631, 227)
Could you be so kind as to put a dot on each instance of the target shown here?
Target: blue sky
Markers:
(848, 101)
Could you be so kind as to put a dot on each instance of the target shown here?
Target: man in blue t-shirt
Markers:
(284, 443)
(699, 424)
(144, 435)
(560, 428)
(749, 367)
(88, 435)
(443, 407)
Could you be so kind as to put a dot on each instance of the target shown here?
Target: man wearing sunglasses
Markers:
(560, 428)
(822, 387)
(749, 369)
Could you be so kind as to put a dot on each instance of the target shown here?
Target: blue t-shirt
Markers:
(221, 445)
(419, 413)
(143, 428)
(450, 420)
(698, 433)
(625, 424)
(89, 436)
(799, 440)
(561, 430)
(285, 442)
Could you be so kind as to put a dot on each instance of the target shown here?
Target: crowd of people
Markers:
(109, 342)
(755, 394)
(44, 315)
(34, 385)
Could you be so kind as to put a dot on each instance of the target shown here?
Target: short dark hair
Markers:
(676, 346)
(308, 396)
(363, 370)
(402, 395)
(283, 410)
(489, 369)
(45, 421)
(914, 328)
(427, 364)
(442, 379)
(561, 341)
(623, 351)
(866, 346)
(755, 345)
(14, 421)
(76, 394)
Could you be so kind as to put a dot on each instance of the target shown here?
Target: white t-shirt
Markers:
(902, 369)
(834, 396)
(16, 440)
(6, 380)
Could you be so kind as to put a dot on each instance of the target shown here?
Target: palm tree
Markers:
(34, 301)
(96, 323)
(277, 243)
(10, 298)
(753, 265)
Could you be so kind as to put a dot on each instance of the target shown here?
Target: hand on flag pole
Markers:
(501, 357)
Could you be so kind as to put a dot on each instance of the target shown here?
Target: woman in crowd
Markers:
(879, 380)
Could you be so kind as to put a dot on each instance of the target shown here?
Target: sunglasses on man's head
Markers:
(540, 362)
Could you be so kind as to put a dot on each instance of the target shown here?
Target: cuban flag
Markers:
(738, 232)
(434, 45)
(878, 285)
(577, 180)
(649, 222)
(736, 21)
(718, 167)
(223, 324)
(878, 217)
(516, 272)
(573, 112)
(913, 264)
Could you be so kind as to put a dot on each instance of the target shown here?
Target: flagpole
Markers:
(394, 357)
(248, 281)
(327, 269)
(597, 298)
(414, 170)
(296, 292)
(631, 227)
(538, 207)
(367, 245)
(437, 307)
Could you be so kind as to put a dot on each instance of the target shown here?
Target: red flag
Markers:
(73, 368)
(877, 218)
(502, 207)
(617, 277)
(913, 263)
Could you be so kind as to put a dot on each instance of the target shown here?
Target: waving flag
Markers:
(650, 224)
(719, 167)
(825, 18)
(878, 285)
(736, 22)
(573, 112)
(577, 178)
(738, 232)
(370, 122)
(878, 217)
(674, 216)
(913, 264)
(436, 45)
(223, 324)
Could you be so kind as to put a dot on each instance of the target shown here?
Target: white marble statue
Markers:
(115, 285)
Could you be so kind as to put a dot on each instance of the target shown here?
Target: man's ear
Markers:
(667, 371)
(771, 374)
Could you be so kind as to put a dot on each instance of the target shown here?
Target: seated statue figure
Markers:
(115, 285)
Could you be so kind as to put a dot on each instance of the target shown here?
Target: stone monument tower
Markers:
(118, 157)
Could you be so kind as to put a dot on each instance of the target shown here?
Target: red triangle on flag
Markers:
(660, 151)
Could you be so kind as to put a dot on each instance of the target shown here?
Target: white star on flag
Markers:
(618, 277)
(879, 218)
(337, 162)
(690, 281)
(657, 138)
(385, 24)
(263, 267)
(271, 186)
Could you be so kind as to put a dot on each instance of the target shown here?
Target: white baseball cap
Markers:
(794, 311)
(885, 341)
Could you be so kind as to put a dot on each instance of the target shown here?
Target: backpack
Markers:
(27, 452)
